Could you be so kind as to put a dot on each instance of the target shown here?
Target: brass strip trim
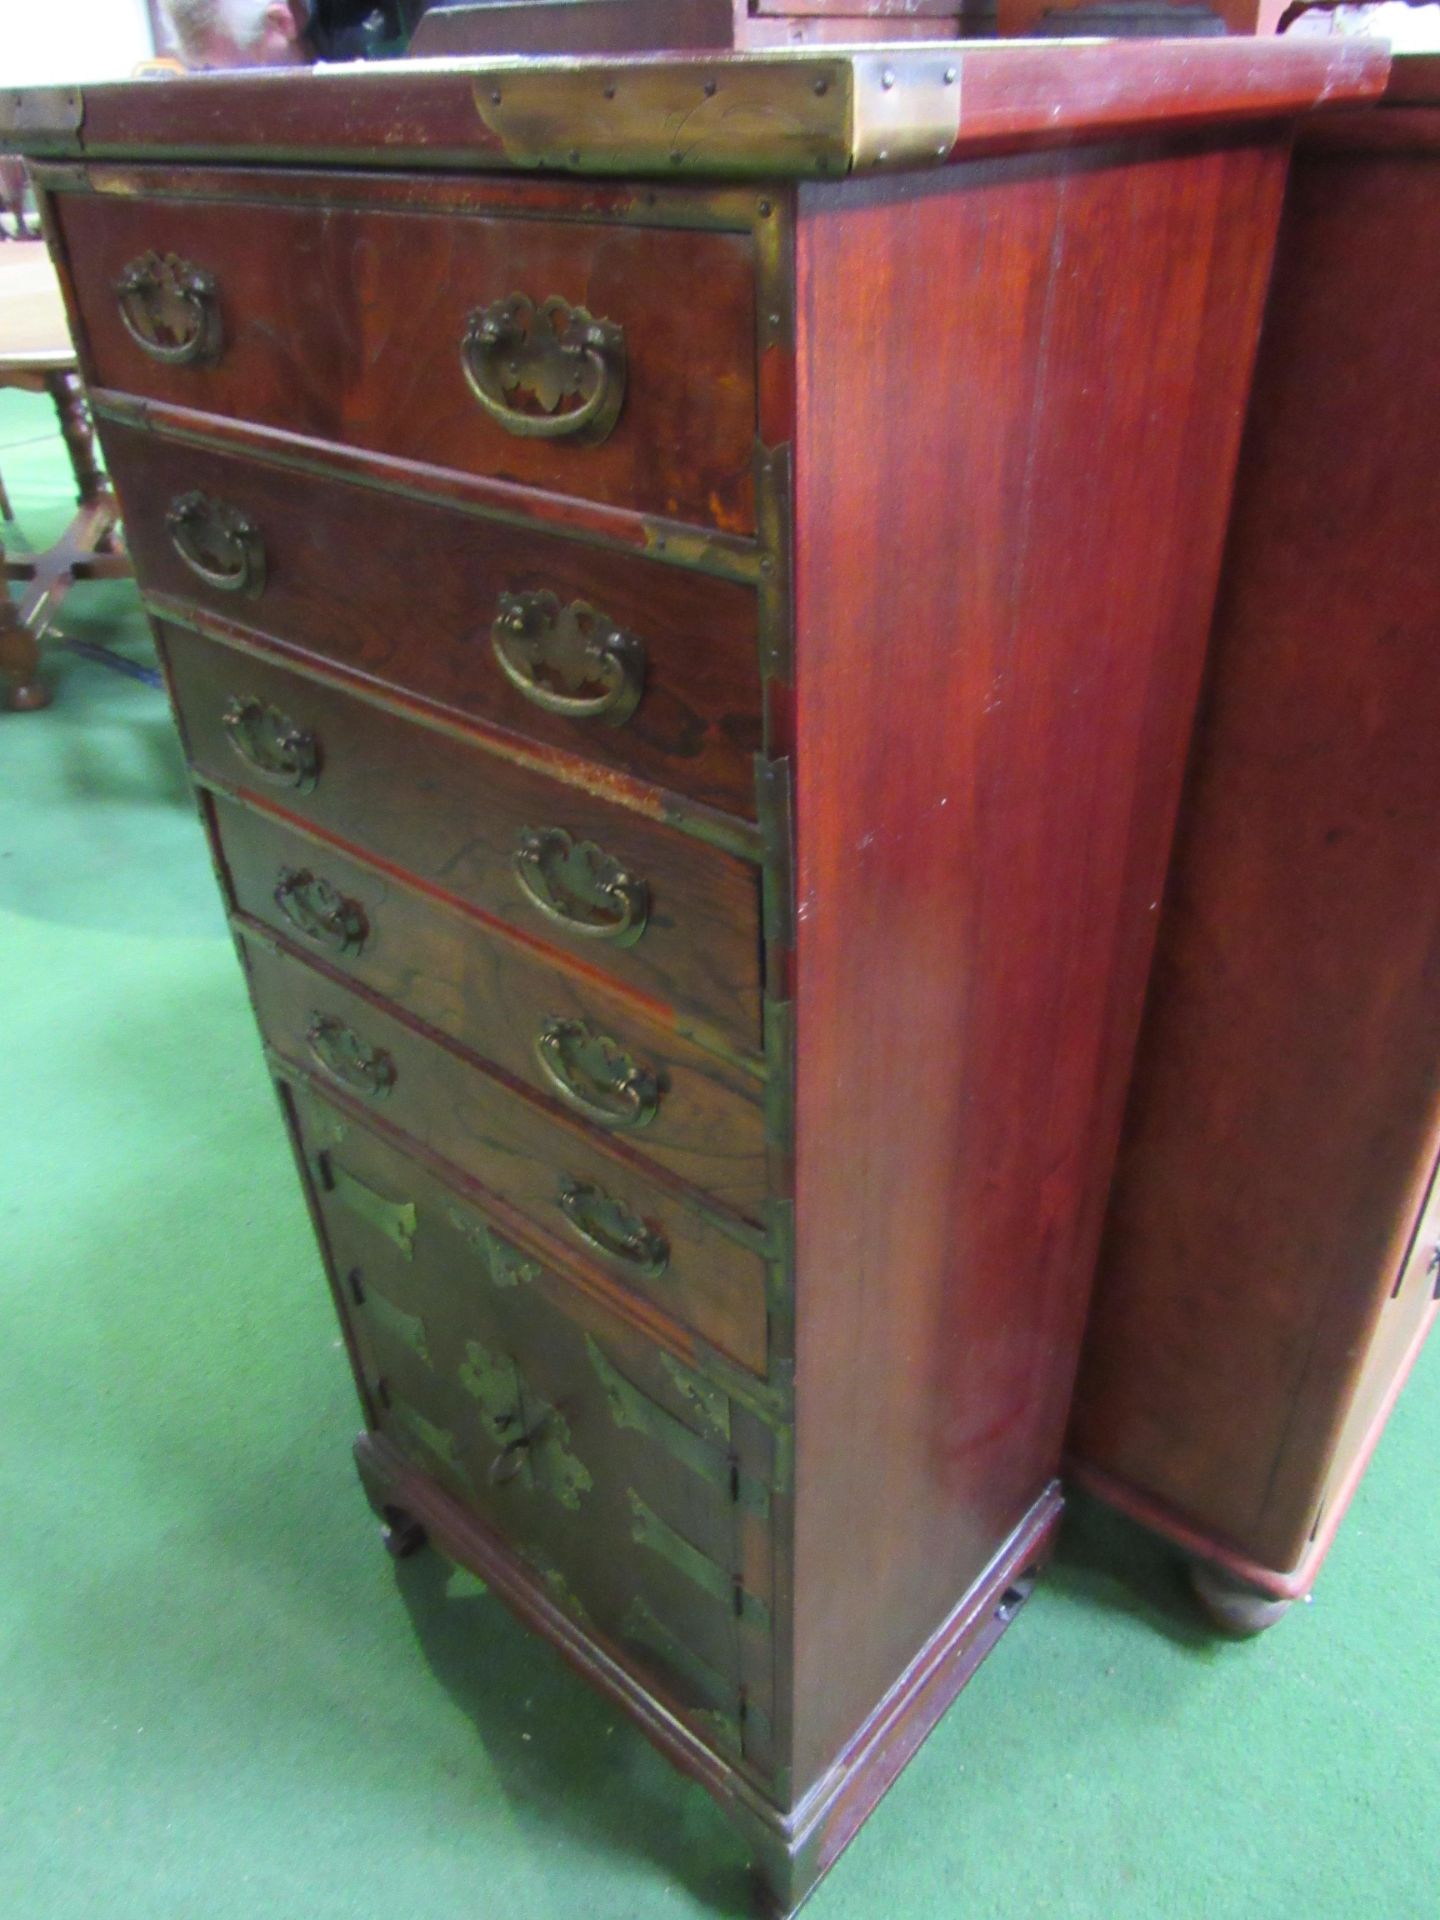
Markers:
(753, 117)
(714, 208)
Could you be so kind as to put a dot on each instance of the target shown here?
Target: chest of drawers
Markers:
(1270, 1263)
(685, 613)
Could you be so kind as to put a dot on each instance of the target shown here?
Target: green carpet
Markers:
(222, 1702)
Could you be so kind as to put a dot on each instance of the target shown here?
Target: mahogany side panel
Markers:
(347, 325)
(1004, 580)
(1286, 1109)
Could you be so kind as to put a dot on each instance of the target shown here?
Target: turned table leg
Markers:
(74, 414)
(19, 655)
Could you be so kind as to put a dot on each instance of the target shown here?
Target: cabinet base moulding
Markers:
(791, 1850)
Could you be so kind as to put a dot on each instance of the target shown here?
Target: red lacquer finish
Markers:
(1267, 1272)
(997, 661)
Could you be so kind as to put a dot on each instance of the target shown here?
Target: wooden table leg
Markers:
(74, 413)
(19, 655)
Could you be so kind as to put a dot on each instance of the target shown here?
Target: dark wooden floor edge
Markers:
(1287, 1583)
(792, 1850)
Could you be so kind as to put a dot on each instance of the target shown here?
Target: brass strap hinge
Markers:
(636, 1412)
(773, 517)
(408, 1328)
(649, 1530)
(729, 1712)
(775, 803)
(396, 1219)
(436, 1441)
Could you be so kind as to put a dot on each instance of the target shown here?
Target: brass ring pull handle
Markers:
(171, 310)
(218, 543)
(573, 661)
(595, 1076)
(318, 911)
(609, 1228)
(270, 743)
(342, 1052)
(554, 353)
(579, 887)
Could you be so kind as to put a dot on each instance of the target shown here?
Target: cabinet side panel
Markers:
(1287, 1098)
(1020, 395)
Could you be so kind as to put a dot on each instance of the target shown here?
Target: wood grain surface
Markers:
(1286, 1111)
(1002, 605)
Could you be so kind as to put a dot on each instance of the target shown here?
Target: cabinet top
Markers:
(806, 114)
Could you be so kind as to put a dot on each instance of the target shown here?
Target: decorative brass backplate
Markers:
(573, 661)
(317, 910)
(533, 1438)
(271, 744)
(506, 1265)
(171, 310)
(593, 1074)
(583, 889)
(218, 543)
(554, 353)
(342, 1052)
(608, 1227)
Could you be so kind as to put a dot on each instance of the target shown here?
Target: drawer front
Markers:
(649, 669)
(350, 325)
(641, 1084)
(640, 1491)
(600, 1212)
(661, 914)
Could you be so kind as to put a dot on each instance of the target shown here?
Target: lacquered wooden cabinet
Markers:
(684, 587)
(1271, 1257)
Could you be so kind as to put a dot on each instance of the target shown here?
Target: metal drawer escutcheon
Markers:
(608, 1227)
(595, 1076)
(320, 912)
(218, 543)
(171, 310)
(556, 352)
(270, 743)
(342, 1052)
(578, 886)
(572, 660)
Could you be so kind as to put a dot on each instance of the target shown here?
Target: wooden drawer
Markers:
(601, 1211)
(346, 323)
(515, 845)
(659, 1095)
(640, 1490)
(662, 665)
